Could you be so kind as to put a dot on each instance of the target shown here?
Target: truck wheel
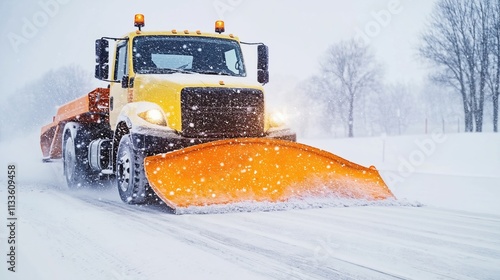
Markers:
(76, 169)
(130, 176)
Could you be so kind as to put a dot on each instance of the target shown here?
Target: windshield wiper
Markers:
(212, 72)
(164, 71)
(174, 70)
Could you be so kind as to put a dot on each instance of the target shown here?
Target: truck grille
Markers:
(222, 112)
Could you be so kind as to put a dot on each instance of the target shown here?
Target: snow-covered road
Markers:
(89, 234)
(92, 235)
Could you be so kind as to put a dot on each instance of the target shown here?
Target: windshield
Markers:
(172, 54)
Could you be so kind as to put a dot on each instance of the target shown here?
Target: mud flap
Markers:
(257, 169)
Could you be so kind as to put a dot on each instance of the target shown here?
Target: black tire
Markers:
(133, 186)
(77, 170)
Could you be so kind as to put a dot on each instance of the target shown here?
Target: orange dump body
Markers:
(257, 169)
(90, 108)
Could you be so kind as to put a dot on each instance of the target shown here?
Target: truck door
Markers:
(119, 90)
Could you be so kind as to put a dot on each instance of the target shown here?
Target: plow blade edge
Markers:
(256, 169)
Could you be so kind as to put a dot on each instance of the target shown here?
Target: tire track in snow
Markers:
(400, 241)
(260, 260)
(436, 250)
(265, 256)
(272, 257)
(71, 241)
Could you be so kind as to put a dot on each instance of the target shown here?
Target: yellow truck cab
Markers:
(190, 87)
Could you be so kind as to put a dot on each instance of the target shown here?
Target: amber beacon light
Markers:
(219, 26)
(139, 21)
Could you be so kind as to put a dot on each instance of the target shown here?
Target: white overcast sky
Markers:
(298, 32)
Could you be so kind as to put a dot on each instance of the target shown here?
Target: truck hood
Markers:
(181, 80)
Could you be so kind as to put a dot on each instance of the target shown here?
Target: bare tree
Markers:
(482, 11)
(350, 71)
(494, 77)
(441, 46)
(457, 42)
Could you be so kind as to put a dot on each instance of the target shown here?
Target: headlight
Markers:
(277, 119)
(154, 116)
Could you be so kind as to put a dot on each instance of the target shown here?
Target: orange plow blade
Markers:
(256, 169)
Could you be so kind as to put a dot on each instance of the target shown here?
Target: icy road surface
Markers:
(78, 236)
(86, 234)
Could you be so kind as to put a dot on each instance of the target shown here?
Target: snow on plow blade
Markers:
(256, 169)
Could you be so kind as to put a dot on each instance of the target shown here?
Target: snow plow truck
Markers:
(180, 121)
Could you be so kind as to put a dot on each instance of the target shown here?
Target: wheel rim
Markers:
(69, 159)
(123, 167)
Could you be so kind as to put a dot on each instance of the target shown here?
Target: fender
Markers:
(130, 118)
(73, 128)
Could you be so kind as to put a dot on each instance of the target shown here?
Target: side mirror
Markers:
(263, 64)
(102, 59)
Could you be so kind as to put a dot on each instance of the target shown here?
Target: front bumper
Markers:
(171, 141)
